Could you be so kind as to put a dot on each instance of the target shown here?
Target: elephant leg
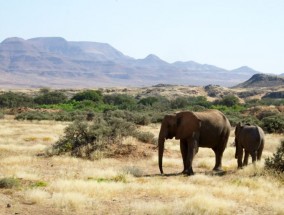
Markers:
(259, 151)
(240, 157)
(245, 163)
(184, 151)
(191, 151)
(218, 159)
(253, 155)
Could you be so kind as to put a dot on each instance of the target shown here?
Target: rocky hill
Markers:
(55, 62)
(262, 80)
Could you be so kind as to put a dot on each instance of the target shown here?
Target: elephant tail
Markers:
(161, 153)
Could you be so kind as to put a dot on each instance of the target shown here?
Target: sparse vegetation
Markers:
(277, 161)
(9, 183)
(71, 185)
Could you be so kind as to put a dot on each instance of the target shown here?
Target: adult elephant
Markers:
(210, 129)
(251, 139)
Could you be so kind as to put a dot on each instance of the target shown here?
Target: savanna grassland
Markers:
(95, 152)
(130, 184)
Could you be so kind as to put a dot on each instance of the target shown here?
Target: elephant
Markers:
(251, 139)
(210, 129)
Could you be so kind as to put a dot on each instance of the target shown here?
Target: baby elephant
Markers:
(251, 139)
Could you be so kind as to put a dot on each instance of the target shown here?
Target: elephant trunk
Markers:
(161, 152)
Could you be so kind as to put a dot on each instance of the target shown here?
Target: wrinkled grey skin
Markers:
(251, 139)
(210, 129)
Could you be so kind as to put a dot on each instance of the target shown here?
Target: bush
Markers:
(9, 183)
(157, 117)
(163, 104)
(134, 117)
(199, 101)
(149, 101)
(228, 100)
(12, 100)
(179, 103)
(35, 115)
(54, 97)
(194, 103)
(57, 116)
(277, 161)
(273, 124)
(82, 139)
(91, 95)
(145, 137)
(122, 101)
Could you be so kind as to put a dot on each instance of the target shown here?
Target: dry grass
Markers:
(129, 186)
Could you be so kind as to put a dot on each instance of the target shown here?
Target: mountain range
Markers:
(55, 62)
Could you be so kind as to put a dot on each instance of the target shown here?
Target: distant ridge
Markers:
(262, 80)
(56, 62)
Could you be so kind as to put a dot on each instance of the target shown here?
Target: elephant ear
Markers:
(187, 124)
(238, 128)
(167, 130)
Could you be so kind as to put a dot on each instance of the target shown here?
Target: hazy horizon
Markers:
(225, 33)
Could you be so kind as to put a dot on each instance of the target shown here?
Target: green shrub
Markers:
(157, 117)
(91, 95)
(122, 101)
(35, 115)
(179, 103)
(57, 116)
(149, 101)
(273, 124)
(120, 127)
(228, 100)
(77, 135)
(54, 97)
(134, 117)
(82, 139)
(270, 101)
(266, 113)
(9, 183)
(163, 104)
(12, 100)
(199, 101)
(277, 161)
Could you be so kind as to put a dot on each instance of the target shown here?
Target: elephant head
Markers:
(167, 131)
(183, 125)
(188, 125)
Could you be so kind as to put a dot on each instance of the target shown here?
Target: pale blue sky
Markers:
(225, 33)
